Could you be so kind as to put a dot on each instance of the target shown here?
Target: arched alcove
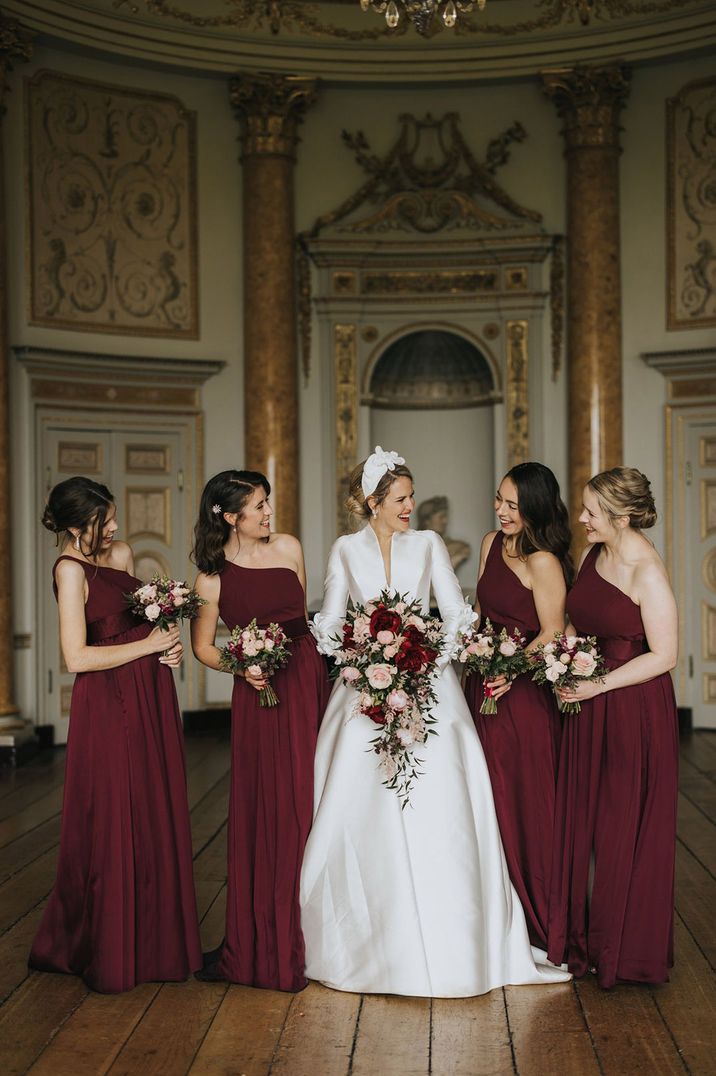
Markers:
(430, 394)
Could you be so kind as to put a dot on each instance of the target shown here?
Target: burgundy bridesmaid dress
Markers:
(521, 745)
(271, 798)
(616, 800)
(123, 909)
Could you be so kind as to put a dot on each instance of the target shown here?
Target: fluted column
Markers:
(14, 48)
(269, 109)
(589, 101)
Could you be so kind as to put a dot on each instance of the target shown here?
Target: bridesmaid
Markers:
(123, 909)
(246, 572)
(525, 568)
(617, 788)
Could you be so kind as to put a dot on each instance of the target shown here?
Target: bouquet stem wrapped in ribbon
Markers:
(492, 656)
(387, 654)
(568, 661)
(164, 601)
(258, 651)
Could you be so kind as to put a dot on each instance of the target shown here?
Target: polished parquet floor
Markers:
(51, 1024)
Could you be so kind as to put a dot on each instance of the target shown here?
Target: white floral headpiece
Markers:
(378, 464)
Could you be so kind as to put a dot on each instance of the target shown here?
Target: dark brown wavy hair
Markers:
(544, 515)
(78, 502)
(228, 491)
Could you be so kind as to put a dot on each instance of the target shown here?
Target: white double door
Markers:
(145, 472)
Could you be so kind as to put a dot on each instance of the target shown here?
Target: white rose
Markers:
(554, 672)
(151, 612)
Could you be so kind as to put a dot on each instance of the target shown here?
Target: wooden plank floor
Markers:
(51, 1024)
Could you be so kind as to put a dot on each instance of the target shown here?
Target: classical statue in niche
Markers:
(433, 516)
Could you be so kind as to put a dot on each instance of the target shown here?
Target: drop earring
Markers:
(77, 542)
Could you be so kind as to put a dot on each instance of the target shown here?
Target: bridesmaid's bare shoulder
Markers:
(287, 548)
(486, 544)
(121, 557)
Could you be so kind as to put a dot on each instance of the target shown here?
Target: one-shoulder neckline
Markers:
(499, 555)
(88, 564)
(607, 581)
(269, 568)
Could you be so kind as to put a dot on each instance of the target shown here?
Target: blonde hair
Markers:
(356, 503)
(625, 491)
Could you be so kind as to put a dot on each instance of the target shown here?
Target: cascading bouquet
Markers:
(568, 661)
(259, 651)
(163, 601)
(387, 654)
(492, 656)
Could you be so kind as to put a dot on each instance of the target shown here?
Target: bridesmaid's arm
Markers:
(484, 550)
(79, 657)
(549, 592)
(203, 628)
(660, 618)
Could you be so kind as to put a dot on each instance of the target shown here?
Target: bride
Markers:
(415, 901)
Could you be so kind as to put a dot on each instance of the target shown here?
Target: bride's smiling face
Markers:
(393, 513)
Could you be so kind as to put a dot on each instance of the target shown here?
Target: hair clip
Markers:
(216, 509)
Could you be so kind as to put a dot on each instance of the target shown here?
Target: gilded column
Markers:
(589, 101)
(269, 109)
(14, 48)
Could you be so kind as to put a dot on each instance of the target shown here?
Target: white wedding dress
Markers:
(415, 901)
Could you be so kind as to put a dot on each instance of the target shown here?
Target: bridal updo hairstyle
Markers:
(624, 491)
(544, 515)
(229, 490)
(78, 502)
(356, 503)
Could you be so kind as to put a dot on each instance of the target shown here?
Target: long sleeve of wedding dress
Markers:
(326, 625)
(456, 614)
(415, 901)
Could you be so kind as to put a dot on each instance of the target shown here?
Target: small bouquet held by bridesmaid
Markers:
(258, 651)
(568, 661)
(163, 601)
(388, 653)
(493, 656)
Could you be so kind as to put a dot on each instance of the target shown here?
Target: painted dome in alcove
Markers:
(336, 41)
(431, 369)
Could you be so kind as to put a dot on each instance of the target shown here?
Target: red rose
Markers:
(348, 640)
(384, 620)
(410, 658)
(413, 634)
(375, 713)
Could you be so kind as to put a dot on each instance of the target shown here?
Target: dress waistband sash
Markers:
(619, 651)
(295, 629)
(107, 626)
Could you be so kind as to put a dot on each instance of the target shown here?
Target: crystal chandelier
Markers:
(422, 13)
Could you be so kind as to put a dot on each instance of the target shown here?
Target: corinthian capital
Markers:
(15, 47)
(589, 100)
(270, 108)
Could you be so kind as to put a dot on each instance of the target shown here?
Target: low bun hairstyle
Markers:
(544, 515)
(625, 491)
(78, 502)
(356, 503)
(229, 490)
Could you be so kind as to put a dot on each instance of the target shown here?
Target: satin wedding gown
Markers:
(415, 901)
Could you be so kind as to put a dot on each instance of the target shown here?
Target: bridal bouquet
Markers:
(388, 653)
(567, 661)
(162, 601)
(492, 656)
(259, 651)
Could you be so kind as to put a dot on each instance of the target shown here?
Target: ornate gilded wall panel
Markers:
(345, 358)
(708, 507)
(707, 451)
(516, 394)
(147, 459)
(112, 209)
(148, 513)
(691, 210)
(79, 457)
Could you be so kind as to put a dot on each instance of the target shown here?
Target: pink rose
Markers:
(380, 676)
(268, 644)
(565, 659)
(397, 699)
(482, 647)
(178, 600)
(152, 611)
(254, 670)
(385, 637)
(583, 664)
(390, 652)
(350, 675)
(508, 648)
(417, 622)
(554, 672)
(399, 607)
(250, 649)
